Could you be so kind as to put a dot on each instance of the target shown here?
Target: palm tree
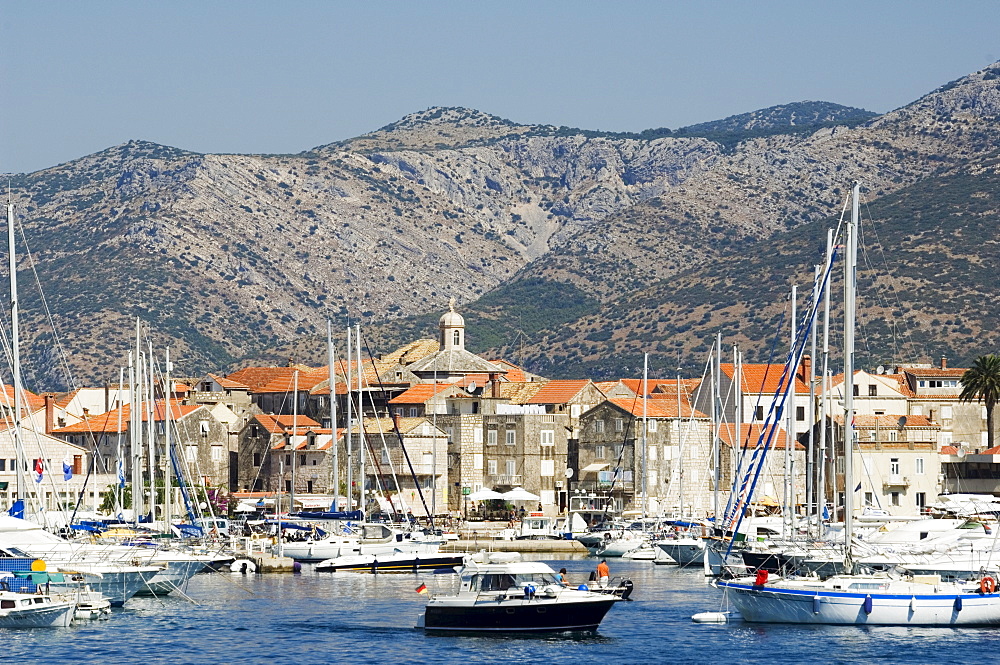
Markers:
(981, 383)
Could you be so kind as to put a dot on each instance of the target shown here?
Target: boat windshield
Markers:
(504, 581)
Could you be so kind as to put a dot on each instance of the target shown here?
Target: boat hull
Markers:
(402, 562)
(54, 615)
(529, 616)
(763, 604)
(684, 552)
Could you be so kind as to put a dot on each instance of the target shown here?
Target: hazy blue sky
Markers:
(249, 76)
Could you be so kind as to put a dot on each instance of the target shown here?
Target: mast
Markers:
(823, 410)
(717, 417)
(168, 489)
(119, 462)
(811, 503)
(645, 427)
(150, 432)
(788, 511)
(738, 424)
(331, 359)
(680, 445)
(22, 457)
(349, 434)
(362, 437)
(850, 275)
(295, 430)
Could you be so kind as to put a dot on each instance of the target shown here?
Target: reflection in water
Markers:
(350, 617)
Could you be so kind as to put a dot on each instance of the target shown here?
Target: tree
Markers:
(981, 383)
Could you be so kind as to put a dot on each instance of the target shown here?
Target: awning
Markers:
(594, 468)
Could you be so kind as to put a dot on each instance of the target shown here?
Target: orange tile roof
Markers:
(65, 399)
(935, 372)
(890, 421)
(282, 423)
(655, 408)
(323, 388)
(949, 450)
(751, 434)
(336, 437)
(420, 393)
(635, 385)
(520, 393)
(108, 422)
(559, 391)
(995, 450)
(227, 383)
(514, 373)
(763, 378)
(278, 379)
(34, 401)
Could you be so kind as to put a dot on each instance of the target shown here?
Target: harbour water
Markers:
(312, 618)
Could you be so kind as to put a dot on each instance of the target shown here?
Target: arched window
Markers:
(456, 338)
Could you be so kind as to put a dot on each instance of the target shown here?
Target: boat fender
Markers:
(867, 605)
(987, 585)
(761, 578)
(583, 587)
(296, 567)
(816, 604)
(958, 603)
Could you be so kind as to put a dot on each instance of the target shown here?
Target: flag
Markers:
(67, 468)
(422, 589)
(121, 473)
(39, 469)
(17, 509)
(858, 488)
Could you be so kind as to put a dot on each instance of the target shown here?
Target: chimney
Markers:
(806, 366)
(944, 362)
(49, 414)
(494, 385)
(395, 420)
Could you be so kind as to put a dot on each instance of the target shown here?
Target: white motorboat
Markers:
(399, 561)
(376, 539)
(34, 610)
(685, 551)
(514, 597)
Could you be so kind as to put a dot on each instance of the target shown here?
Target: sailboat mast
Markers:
(168, 489)
(645, 427)
(349, 435)
(22, 457)
(788, 510)
(825, 392)
(680, 447)
(295, 431)
(717, 417)
(331, 359)
(362, 438)
(150, 430)
(811, 411)
(850, 295)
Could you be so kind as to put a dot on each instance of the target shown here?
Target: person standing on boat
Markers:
(603, 572)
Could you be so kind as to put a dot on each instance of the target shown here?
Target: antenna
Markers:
(902, 422)
(880, 369)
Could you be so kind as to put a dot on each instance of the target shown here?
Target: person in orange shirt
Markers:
(603, 572)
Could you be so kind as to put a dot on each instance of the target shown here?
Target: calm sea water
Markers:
(347, 617)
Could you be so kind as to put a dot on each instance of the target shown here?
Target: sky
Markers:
(282, 77)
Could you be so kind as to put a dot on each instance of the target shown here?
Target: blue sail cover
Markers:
(353, 515)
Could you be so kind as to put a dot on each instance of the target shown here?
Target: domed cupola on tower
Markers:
(452, 330)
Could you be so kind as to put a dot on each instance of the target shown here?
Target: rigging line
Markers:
(399, 435)
(621, 455)
(385, 448)
(881, 302)
(892, 283)
(63, 355)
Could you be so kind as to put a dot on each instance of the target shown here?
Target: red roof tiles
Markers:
(559, 391)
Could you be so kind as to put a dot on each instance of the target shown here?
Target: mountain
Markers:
(554, 240)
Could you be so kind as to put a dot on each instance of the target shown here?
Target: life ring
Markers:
(987, 585)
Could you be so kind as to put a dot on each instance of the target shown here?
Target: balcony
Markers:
(896, 480)
(506, 479)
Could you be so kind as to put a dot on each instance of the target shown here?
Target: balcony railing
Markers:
(505, 479)
(896, 480)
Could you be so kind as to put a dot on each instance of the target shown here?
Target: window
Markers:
(477, 461)
(869, 499)
(3, 465)
(600, 452)
(385, 455)
(456, 338)
(894, 467)
(217, 453)
(302, 460)
(477, 435)
(192, 453)
(413, 412)
(547, 437)
(651, 425)
(872, 390)
(309, 487)
(428, 460)
(288, 487)
(857, 390)
(946, 411)
(619, 424)
(758, 413)
(491, 467)
(945, 438)
(256, 459)
(921, 499)
(918, 466)
(547, 467)
(800, 413)
(651, 481)
(599, 426)
(511, 437)
(894, 498)
(204, 427)
(511, 467)
(652, 453)
(491, 437)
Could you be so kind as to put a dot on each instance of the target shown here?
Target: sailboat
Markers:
(876, 599)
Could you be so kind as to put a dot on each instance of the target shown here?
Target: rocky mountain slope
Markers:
(545, 233)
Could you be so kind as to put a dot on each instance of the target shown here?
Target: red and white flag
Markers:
(39, 469)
